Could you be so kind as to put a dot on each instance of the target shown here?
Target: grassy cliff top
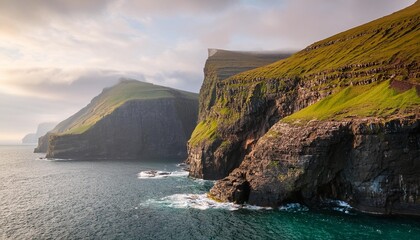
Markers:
(228, 63)
(393, 39)
(113, 97)
(374, 100)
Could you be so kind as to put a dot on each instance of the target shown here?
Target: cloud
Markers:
(163, 7)
(55, 55)
(25, 103)
(32, 96)
(35, 12)
(290, 24)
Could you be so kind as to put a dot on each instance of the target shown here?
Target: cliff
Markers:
(41, 130)
(131, 120)
(220, 65)
(339, 119)
(246, 105)
(371, 164)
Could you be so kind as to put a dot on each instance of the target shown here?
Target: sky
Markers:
(56, 55)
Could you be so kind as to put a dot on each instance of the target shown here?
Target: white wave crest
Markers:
(294, 207)
(254, 207)
(53, 159)
(201, 202)
(203, 181)
(179, 174)
(197, 201)
(338, 205)
(182, 165)
(161, 174)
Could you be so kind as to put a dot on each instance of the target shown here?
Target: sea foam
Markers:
(53, 159)
(338, 205)
(161, 174)
(293, 207)
(201, 202)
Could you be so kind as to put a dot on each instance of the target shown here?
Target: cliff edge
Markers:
(337, 120)
(220, 65)
(131, 120)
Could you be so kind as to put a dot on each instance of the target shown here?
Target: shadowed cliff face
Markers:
(131, 120)
(237, 111)
(338, 120)
(221, 65)
(138, 129)
(370, 164)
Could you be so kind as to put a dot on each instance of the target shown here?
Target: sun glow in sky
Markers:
(55, 55)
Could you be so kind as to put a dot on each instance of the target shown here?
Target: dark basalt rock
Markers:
(208, 160)
(157, 128)
(258, 99)
(373, 165)
(42, 144)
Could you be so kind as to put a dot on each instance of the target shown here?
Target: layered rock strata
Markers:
(373, 165)
(242, 108)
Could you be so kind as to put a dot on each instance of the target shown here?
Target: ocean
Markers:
(67, 199)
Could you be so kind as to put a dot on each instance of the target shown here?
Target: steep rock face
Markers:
(338, 120)
(221, 64)
(131, 120)
(157, 128)
(372, 164)
(43, 143)
(246, 105)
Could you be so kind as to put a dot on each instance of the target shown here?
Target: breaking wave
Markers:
(338, 205)
(53, 159)
(294, 207)
(161, 174)
(201, 202)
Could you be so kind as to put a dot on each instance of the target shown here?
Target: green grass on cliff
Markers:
(384, 49)
(374, 100)
(205, 131)
(228, 63)
(112, 98)
(392, 39)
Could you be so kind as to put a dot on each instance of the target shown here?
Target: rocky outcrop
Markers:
(338, 120)
(245, 106)
(220, 65)
(131, 120)
(256, 106)
(43, 143)
(372, 164)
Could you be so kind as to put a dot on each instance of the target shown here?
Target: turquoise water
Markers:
(42, 199)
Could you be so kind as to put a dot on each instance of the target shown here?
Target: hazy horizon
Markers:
(55, 56)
